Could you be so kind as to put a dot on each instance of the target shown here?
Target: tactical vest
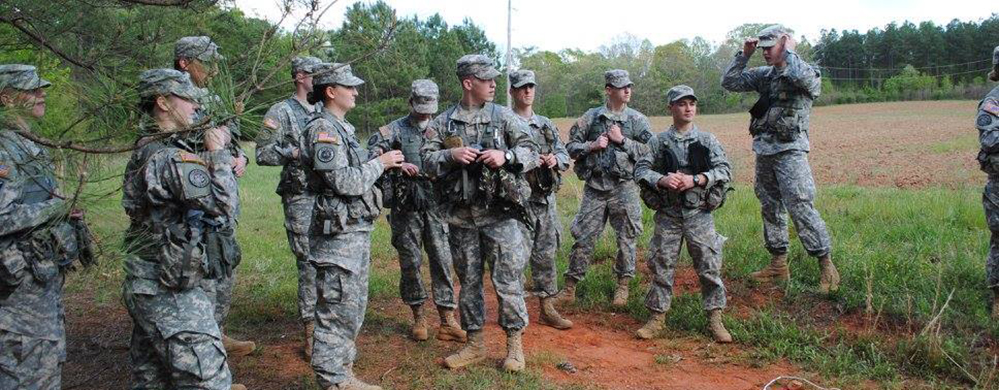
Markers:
(545, 180)
(408, 193)
(335, 212)
(612, 161)
(698, 162)
(476, 184)
(293, 178)
(785, 105)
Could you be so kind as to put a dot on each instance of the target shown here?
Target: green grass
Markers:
(912, 247)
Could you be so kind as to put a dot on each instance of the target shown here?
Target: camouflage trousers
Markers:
(30, 363)
(411, 231)
(32, 336)
(990, 200)
(342, 262)
(543, 245)
(622, 208)
(784, 185)
(297, 218)
(501, 246)
(176, 342)
(704, 245)
(220, 290)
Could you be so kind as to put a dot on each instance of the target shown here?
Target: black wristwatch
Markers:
(697, 179)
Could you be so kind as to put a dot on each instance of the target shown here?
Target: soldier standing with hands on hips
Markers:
(784, 184)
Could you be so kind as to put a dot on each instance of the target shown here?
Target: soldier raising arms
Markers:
(779, 125)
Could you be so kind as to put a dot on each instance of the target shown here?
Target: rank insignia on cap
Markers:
(327, 138)
(4, 171)
(990, 106)
(190, 158)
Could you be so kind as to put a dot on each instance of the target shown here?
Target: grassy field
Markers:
(911, 313)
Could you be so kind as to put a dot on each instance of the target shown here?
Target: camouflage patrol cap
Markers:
(679, 92)
(476, 65)
(335, 73)
(424, 96)
(521, 78)
(200, 48)
(304, 64)
(770, 35)
(21, 77)
(162, 82)
(617, 78)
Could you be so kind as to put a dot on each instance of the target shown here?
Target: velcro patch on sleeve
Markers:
(385, 131)
(270, 123)
(188, 157)
(991, 106)
(328, 138)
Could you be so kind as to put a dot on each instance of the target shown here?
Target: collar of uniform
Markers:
(676, 135)
(534, 121)
(472, 116)
(307, 107)
(614, 116)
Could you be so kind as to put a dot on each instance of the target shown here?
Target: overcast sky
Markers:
(558, 24)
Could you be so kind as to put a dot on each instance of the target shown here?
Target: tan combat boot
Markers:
(718, 330)
(777, 270)
(237, 386)
(551, 317)
(828, 276)
(473, 352)
(568, 293)
(450, 329)
(514, 361)
(995, 303)
(652, 328)
(352, 383)
(234, 347)
(310, 329)
(621, 293)
(419, 331)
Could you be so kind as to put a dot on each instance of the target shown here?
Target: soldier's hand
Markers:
(599, 144)
(549, 160)
(665, 183)
(76, 214)
(749, 46)
(614, 134)
(392, 159)
(217, 138)
(492, 158)
(240, 168)
(295, 153)
(464, 155)
(410, 169)
(686, 182)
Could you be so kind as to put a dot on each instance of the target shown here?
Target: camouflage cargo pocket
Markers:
(786, 126)
(330, 284)
(197, 354)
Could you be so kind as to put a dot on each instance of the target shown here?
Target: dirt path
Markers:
(600, 346)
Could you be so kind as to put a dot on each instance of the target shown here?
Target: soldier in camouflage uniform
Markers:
(477, 151)
(779, 125)
(543, 240)
(416, 216)
(343, 178)
(171, 187)
(677, 178)
(987, 122)
(37, 242)
(605, 144)
(198, 56)
(279, 144)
